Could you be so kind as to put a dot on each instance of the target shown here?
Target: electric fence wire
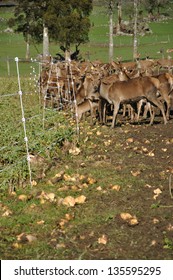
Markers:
(75, 103)
(23, 120)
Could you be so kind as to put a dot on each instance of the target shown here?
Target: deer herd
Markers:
(135, 89)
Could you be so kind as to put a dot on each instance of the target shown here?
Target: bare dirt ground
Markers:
(132, 165)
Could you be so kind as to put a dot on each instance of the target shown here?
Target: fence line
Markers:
(9, 163)
(13, 94)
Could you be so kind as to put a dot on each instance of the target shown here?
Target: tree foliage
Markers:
(69, 24)
(28, 18)
(67, 20)
(155, 5)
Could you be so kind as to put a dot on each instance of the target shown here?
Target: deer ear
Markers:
(107, 83)
(169, 78)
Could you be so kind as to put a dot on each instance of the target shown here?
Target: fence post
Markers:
(8, 66)
(23, 120)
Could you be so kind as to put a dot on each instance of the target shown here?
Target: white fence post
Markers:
(23, 120)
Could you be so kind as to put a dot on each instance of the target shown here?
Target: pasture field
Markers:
(106, 194)
(13, 45)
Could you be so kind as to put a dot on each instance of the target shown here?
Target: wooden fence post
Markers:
(8, 66)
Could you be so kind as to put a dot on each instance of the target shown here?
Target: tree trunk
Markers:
(67, 55)
(111, 45)
(46, 54)
(119, 16)
(135, 41)
(27, 56)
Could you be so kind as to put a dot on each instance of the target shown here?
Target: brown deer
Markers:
(131, 91)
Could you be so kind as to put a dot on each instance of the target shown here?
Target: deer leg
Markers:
(101, 110)
(104, 113)
(124, 110)
(132, 113)
(167, 99)
(91, 111)
(159, 104)
(116, 108)
(152, 112)
(168, 104)
(146, 108)
(139, 107)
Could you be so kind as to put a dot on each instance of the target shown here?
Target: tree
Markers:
(67, 20)
(28, 20)
(111, 45)
(110, 6)
(152, 5)
(69, 24)
(119, 8)
(135, 42)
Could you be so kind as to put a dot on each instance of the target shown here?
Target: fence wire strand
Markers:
(23, 120)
